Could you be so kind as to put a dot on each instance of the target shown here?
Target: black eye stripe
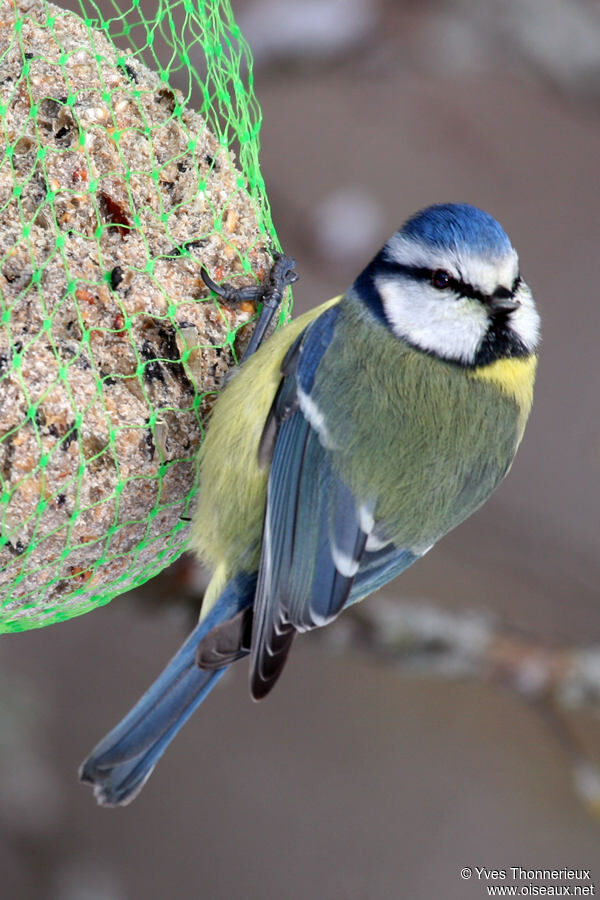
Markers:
(422, 273)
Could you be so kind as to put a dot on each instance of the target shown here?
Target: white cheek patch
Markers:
(436, 321)
(525, 321)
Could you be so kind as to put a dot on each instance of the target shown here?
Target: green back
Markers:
(419, 435)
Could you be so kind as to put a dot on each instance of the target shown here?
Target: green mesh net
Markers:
(118, 180)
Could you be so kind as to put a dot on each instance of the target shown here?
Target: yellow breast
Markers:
(514, 377)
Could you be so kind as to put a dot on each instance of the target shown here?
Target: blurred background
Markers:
(356, 780)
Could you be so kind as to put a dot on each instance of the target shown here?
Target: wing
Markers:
(312, 536)
(379, 567)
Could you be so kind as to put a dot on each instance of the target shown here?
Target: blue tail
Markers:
(121, 763)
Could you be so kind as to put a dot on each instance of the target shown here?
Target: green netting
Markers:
(113, 193)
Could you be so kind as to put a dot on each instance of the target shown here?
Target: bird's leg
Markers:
(269, 292)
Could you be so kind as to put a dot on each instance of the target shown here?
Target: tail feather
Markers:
(116, 772)
(121, 763)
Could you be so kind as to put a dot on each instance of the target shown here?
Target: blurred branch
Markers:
(421, 639)
(425, 639)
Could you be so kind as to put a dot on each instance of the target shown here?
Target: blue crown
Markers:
(458, 226)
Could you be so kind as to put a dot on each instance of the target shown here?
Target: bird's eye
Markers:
(440, 279)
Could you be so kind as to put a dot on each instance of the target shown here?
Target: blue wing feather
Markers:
(379, 567)
(316, 338)
(312, 539)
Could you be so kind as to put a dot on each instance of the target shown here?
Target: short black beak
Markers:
(502, 301)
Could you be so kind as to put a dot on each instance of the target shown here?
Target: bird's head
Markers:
(448, 283)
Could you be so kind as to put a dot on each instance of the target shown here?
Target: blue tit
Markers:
(340, 452)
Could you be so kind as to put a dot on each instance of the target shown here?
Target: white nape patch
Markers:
(316, 419)
(437, 321)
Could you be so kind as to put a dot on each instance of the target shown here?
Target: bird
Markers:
(339, 453)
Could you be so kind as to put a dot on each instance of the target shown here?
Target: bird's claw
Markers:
(269, 292)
